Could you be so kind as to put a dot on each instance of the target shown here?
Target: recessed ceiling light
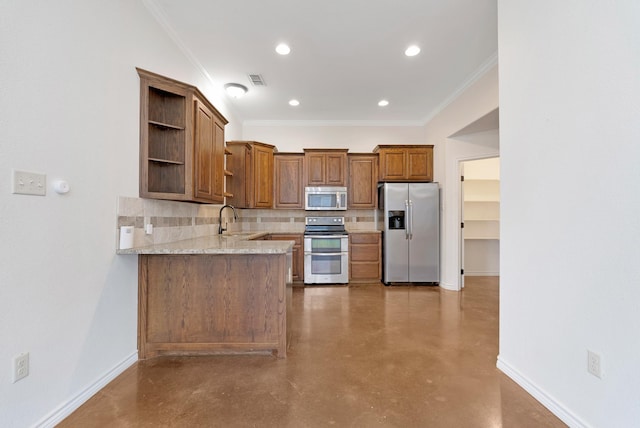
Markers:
(283, 49)
(412, 50)
(383, 103)
(235, 90)
(294, 103)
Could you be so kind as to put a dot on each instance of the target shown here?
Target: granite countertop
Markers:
(239, 243)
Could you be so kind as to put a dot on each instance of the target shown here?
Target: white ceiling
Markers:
(345, 56)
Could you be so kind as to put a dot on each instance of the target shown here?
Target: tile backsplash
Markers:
(174, 221)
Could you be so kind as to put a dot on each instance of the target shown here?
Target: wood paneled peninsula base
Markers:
(230, 299)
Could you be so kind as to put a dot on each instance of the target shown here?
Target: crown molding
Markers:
(491, 62)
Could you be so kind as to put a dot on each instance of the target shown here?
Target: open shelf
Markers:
(481, 209)
(165, 161)
(481, 229)
(482, 190)
(165, 125)
(166, 109)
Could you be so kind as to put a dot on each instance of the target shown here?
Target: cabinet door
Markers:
(419, 164)
(263, 176)
(316, 169)
(288, 189)
(218, 163)
(363, 181)
(335, 167)
(204, 147)
(393, 164)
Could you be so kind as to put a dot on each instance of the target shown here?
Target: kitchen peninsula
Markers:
(213, 294)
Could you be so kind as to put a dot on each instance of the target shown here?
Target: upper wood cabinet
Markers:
(289, 176)
(326, 167)
(251, 180)
(405, 162)
(208, 153)
(363, 181)
(181, 142)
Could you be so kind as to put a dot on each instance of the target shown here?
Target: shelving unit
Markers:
(181, 142)
(482, 209)
(227, 173)
(166, 133)
(482, 217)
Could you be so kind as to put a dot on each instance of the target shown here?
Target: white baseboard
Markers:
(564, 414)
(478, 273)
(451, 287)
(65, 409)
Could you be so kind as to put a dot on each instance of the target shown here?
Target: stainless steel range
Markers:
(326, 251)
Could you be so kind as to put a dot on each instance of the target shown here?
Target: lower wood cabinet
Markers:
(365, 257)
(212, 303)
(298, 252)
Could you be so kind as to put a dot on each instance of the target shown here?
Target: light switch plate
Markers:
(29, 183)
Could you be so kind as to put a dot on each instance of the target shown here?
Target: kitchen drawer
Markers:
(365, 253)
(364, 238)
(364, 272)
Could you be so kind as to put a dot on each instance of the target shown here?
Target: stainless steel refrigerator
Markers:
(409, 217)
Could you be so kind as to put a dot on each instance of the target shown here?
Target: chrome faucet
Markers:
(235, 217)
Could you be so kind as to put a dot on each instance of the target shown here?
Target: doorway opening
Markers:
(479, 217)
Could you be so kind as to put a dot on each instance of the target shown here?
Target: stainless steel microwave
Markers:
(325, 198)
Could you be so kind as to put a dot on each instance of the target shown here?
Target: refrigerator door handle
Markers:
(410, 219)
(409, 223)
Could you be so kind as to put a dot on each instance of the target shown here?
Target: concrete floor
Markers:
(361, 356)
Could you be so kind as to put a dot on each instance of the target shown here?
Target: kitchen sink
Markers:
(249, 235)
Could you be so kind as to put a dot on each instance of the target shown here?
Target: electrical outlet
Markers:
(29, 183)
(593, 364)
(20, 366)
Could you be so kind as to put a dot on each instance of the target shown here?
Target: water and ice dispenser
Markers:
(396, 220)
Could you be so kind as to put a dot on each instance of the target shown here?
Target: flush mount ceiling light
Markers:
(383, 103)
(412, 50)
(235, 90)
(294, 103)
(283, 49)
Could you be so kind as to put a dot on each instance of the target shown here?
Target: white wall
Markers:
(70, 108)
(358, 138)
(570, 198)
(477, 101)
